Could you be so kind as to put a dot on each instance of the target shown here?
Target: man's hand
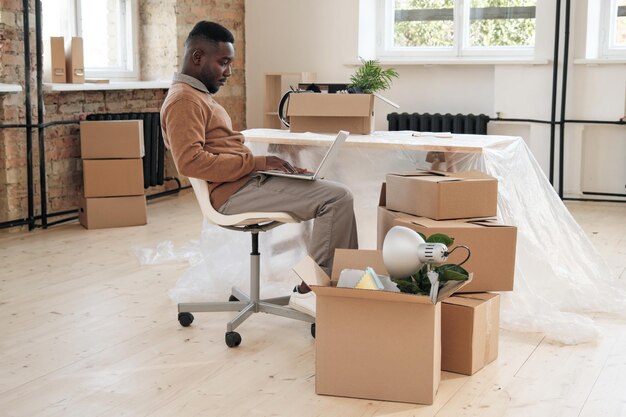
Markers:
(274, 162)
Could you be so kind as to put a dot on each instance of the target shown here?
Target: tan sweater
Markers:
(199, 133)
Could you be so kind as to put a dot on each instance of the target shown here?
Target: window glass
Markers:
(502, 23)
(57, 19)
(423, 23)
(619, 37)
(102, 28)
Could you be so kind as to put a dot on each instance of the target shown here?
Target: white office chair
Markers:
(238, 301)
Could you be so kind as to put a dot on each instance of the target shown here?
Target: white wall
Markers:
(322, 36)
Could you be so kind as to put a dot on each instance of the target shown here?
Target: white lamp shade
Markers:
(401, 251)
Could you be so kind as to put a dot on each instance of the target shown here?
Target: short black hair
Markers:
(210, 31)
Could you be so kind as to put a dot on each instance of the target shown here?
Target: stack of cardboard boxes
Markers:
(111, 152)
(462, 206)
(392, 346)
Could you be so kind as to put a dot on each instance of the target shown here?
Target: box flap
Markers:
(484, 296)
(457, 223)
(463, 301)
(335, 105)
(411, 174)
(382, 200)
(451, 287)
(357, 259)
(310, 272)
(435, 176)
(430, 223)
(430, 176)
(488, 222)
(477, 175)
(420, 173)
(374, 295)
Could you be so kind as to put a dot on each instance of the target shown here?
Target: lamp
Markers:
(405, 251)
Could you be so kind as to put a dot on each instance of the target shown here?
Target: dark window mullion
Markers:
(483, 13)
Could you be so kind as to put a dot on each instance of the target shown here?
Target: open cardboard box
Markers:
(330, 113)
(374, 344)
(443, 195)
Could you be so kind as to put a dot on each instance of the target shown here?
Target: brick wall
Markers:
(229, 13)
(157, 36)
(164, 24)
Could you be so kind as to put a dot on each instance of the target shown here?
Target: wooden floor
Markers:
(86, 331)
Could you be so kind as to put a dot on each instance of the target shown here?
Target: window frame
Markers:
(461, 50)
(130, 70)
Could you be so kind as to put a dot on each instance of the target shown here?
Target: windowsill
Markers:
(113, 85)
(10, 88)
(600, 61)
(456, 61)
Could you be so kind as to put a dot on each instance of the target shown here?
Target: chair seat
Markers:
(201, 189)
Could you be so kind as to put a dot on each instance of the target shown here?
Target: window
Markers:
(108, 29)
(457, 28)
(614, 28)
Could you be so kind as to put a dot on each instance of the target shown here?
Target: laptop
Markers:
(324, 166)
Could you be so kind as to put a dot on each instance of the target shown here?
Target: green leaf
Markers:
(422, 235)
(451, 272)
(421, 278)
(440, 238)
(407, 286)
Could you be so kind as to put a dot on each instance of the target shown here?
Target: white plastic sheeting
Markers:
(560, 277)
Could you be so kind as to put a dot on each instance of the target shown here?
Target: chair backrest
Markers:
(201, 190)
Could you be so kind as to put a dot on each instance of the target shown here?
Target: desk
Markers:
(377, 140)
(559, 274)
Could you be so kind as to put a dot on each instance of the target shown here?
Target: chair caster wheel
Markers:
(233, 298)
(233, 339)
(185, 319)
(313, 330)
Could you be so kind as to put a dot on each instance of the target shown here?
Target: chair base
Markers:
(244, 304)
(246, 307)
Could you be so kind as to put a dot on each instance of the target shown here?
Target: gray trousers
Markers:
(329, 203)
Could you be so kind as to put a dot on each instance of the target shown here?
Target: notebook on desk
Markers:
(323, 167)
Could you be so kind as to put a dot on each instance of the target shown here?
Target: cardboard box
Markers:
(469, 332)
(443, 195)
(385, 217)
(74, 61)
(492, 244)
(112, 177)
(492, 247)
(373, 344)
(100, 213)
(106, 139)
(56, 71)
(330, 113)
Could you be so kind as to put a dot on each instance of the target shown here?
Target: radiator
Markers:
(426, 122)
(153, 161)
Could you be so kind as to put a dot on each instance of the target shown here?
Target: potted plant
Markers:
(370, 78)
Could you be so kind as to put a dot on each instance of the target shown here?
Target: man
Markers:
(199, 133)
